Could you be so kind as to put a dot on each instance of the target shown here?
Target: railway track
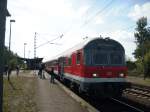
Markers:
(115, 105)
(139, 91)
(110, 104)
(128, 107)
(141, 87)
(139, 94)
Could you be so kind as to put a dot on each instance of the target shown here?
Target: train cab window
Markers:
(78, 58)
(100, 58)
(116, 59)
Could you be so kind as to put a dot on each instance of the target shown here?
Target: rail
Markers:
(141, 87)
(141, 90)
(127, 105)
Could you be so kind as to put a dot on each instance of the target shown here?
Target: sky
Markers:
(74, 19)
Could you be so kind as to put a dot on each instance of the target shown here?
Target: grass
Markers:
(19, 95)
(139, 80)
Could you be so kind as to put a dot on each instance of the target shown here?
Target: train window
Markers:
(100, 58)
(116, 58)
(87, 57)
(78, 58)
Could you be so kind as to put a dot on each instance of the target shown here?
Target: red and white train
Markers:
(96, 66)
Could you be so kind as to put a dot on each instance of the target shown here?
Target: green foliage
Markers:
(139, 66)
(147, 64)
(142, 52)
(142, 36)
(131, 65)
(11, 59)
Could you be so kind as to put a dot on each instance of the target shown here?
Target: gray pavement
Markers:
(51, 98)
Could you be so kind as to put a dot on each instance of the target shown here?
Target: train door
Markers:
(61, 68)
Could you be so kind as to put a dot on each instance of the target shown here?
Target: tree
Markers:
(142, 37)
(131, 65)
(11, 59)
(147, 64)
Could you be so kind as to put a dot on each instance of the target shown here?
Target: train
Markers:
(95, 66)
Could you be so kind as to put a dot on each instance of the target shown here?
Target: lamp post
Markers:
(11, 21)
(24, 49)
(29, 54)
(24, 54)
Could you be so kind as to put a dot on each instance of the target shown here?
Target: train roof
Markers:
(86, 43)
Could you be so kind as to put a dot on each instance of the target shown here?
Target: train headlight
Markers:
(121, 75)
(94, 75)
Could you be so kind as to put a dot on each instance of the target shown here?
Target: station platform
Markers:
(52, 98)
(46, 96)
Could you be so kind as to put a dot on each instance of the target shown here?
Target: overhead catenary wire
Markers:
(97, 13)
(42, 35)
(50, 42)
(92, 17)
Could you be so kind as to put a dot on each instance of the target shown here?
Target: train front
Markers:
(104, 67)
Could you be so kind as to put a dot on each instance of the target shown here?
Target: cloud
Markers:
(82, 10)
(52, 16)
(98, 20)
(140, 11)
(122, 35)
(63, 17)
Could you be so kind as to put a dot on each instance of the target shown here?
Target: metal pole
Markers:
(3, 14)
(35, 45)
(29, 54)
(10, 37)
(10, 34)
(24, 52)
(35, 53)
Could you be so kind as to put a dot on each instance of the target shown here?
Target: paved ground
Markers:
(51, 98)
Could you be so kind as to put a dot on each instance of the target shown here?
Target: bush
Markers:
(139, 66)
(131, 65)
(147, 64)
